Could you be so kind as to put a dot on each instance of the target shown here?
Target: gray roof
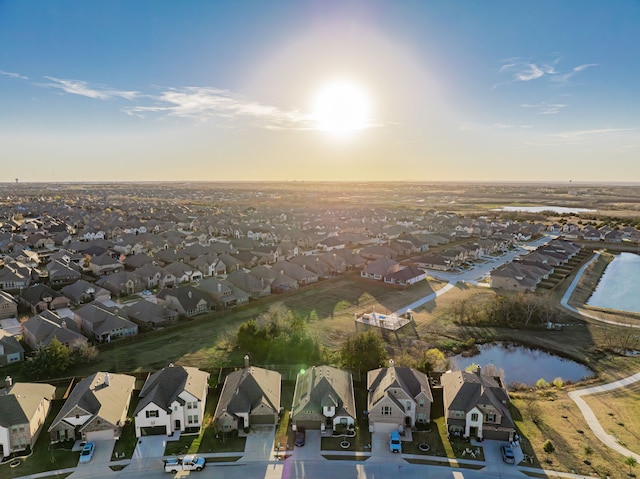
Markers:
(462, 391)
(324, 386)
(379, 381)
(163, 387)
(248, 388)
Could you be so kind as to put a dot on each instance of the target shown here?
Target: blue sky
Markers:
(213, 90)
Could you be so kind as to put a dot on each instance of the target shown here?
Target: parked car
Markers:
(87, 452)
(300, 437)
(395, 445)
(507, 454)
(190, 462)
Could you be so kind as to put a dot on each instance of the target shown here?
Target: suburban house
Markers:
(96, 408)
(477, 406)
(8, 306)
(61, 272)
(185, 300)
(406, 276)
(323, 399)
(104, 264)
(172, 399)
(122, 283)
(84, 292)
(104, 323)
(250, 396)
(380, 268)
(149, 314)
(398, 398)
(11, 351)
(23, 410)
(41, 297)
(41, 329)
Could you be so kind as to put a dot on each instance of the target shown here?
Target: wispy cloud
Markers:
(521, 70)
(204, 103)
(82, 88)
(509, 125)
(545, 108)
(576, 135)
(13, 75)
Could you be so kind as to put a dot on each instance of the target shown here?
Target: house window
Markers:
(408, 406)
(491, 417)
(474, 416)
(153, 413)
(386, 410)
(421, 403)
(192, 419)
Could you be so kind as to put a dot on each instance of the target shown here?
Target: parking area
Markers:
(493, 456)
(259, 444)
(312, 446)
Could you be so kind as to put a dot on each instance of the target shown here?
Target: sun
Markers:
(341, 107)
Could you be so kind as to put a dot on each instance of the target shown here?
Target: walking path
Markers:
(591, 419)
(428, 298)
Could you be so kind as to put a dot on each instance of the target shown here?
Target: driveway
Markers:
(99, 464)
(312, 446)
(259, 444)
(152, 446)
(380, 444)
(493, 457)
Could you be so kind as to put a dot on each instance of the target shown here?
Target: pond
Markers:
(619, 286)
(540, 209)
(522, 364)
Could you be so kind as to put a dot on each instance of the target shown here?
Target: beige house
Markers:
(23, 410)
(398, 398)
(476, 406)
(250, 396)
(323, 399)
(96, 408)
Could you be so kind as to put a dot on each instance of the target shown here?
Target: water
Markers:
(539, 209)
(619, 286)
(524, 365)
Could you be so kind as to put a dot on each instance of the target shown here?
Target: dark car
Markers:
(507, 454)
(300, 437)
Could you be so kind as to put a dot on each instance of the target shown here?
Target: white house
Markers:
(172, 399)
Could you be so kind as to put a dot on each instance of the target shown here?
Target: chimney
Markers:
(246, 360)
(479, 370)
(106, 379)
(392, 363)
(190, 294)
(63, 324)
(8, 381)
(219, 287)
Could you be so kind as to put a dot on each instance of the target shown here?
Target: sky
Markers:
(425, 90)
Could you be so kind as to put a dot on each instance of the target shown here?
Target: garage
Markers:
(153, 431)
(100, 435)
(385, 427)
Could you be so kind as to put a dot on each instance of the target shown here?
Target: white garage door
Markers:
(100, 435)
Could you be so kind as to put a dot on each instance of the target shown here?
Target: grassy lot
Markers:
(618, 412)
(562, 423)
(45, 457)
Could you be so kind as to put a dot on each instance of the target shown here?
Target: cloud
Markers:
(204, 103)
(581, 134)
(509, 125)
(13, 75)
(526, 70)
(545, 108)
(82, 88)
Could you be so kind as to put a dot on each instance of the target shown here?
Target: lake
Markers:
(619, 286)
(522, 364)
(539, 209)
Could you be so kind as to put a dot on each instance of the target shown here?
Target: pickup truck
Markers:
(190, 462)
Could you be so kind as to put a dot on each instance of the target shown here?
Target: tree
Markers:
(548, 449)
(49, 362)
(363, 351)
(631, 462)
(434, 360)
(86, 354)
(558, 383)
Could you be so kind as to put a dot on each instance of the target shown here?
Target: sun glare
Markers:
(341, 107)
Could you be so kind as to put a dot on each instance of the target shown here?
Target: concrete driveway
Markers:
(152, 446)
(493, 457)
(99, 464)
(380, 445)
(312, 446)
(259, 444)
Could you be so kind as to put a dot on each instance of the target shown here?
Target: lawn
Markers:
(284, 434)
(125, 446)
